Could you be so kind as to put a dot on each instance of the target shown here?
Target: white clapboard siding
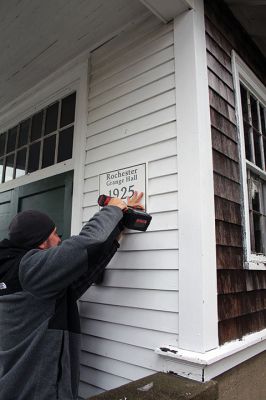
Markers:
(143, 51)
(137, 356)
(149, 319)
(132, 143)
(161, 300)
(88, 212)
(161, 167)
(132, 120)
(163, 100)
(163, 202)
(163, 259)
(101, 379)
(127, 334)
(146, 27)
(166, 148)
(150, 240)
(141, 279)
(161, 221)
(132, 39)
(164, 220)
(114, 367)
(86, 391)
(157, 118)
(131, 98)
(163, 184)
(132, 71)
(140, 82)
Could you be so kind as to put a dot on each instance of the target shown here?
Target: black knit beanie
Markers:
(30, 228)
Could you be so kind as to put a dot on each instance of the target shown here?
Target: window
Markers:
(42, 140)
(251, 109)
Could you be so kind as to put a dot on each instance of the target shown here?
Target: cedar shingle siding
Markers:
(241, 293)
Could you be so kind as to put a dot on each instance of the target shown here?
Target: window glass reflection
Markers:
(9, 168)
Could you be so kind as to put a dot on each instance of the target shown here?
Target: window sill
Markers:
(205, 366)
(55, 169)
(256, 263)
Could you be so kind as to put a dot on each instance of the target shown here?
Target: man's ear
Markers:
(43, 245)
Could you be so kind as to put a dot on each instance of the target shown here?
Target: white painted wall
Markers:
(132, 120)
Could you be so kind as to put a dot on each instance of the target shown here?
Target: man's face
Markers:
(52, 241)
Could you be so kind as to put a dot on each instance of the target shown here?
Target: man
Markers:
(40, 283)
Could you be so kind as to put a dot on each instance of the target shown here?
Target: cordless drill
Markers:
(134, 218)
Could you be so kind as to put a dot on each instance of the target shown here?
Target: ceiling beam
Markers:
(168, 9)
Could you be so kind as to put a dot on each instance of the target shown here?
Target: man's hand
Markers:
(135, 200)
(115, 201)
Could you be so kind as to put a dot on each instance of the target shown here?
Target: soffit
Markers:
(38, 37)
(252, 16)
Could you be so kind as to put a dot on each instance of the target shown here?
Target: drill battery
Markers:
(133, 218)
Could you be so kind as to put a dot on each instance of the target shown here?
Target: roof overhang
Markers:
(252, 16)
(41, 37)
(168, 9)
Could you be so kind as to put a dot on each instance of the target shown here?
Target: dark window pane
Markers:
(2, 144)
(34, 156)
(9, 168)
(258, 160)
(20, 163)
(51, 119)
(65, 144)
(48, 151)
(11, 139)
(257, 233)
(262, 118)
(247, 141)
(36, 127)
(68, 110)
(254, 112)
(244, 102)
(1, 168)
(256, 202)
(23, 133)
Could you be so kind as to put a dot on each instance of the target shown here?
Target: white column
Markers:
(197, 263)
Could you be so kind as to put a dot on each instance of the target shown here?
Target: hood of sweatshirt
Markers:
(10, 257)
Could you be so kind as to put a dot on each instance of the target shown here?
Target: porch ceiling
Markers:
(37, 37)
(252, 16)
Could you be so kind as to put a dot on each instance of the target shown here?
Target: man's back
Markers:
(30, 351)
(39, 321)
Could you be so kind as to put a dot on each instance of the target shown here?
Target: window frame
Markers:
(56, 86)
(40, 139)
(243, 74)
(73, 76)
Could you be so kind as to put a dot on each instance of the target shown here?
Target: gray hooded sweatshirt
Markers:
(39, 321)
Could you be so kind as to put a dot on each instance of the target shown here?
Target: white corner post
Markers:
(198, 321)
(79, 146)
